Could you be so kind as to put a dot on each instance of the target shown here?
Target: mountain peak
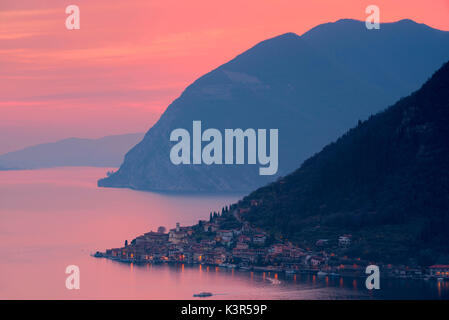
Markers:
(347, 21)
(312, 88)
(356, 26)
(288, 35)
(407, 21)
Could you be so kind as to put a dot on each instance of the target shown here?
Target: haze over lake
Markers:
(52, 218)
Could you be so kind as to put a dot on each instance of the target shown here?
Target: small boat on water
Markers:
(274, 281)
(273, 269)
(321, 274)
(290, 271)
(335, 275)
(227, 265)
(202, 294)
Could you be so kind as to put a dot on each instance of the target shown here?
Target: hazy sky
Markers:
(131, 58)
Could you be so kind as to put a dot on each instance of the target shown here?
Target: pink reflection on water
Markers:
(56, 217)
(53, 218)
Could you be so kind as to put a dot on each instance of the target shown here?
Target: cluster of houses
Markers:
(247, 248)
(207, 242)
(180, 245)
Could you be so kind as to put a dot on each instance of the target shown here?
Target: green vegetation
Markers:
(385, 181)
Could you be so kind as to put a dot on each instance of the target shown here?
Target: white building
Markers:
(344, 241)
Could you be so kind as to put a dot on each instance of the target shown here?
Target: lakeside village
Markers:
(228, 242)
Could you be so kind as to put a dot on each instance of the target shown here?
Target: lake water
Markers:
(53, 218)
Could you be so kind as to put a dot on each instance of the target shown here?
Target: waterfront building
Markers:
(439, 271)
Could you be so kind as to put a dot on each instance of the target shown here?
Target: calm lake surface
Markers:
(53, 218)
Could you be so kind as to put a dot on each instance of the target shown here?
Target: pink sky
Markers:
(131, 58)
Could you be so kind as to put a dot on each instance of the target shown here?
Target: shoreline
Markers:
(227, 241)
(270, 269)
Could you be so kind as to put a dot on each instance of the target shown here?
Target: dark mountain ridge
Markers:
(385, 181)
(108, 151)
(312, 88)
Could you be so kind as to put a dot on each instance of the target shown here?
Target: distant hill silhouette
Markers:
(104, 152)
(312, 88)
(385, 181)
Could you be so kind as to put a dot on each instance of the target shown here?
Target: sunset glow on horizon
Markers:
(130, 60)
